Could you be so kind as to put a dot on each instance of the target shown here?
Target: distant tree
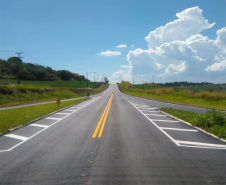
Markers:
(16, 67)
(106, 80)
(40, 74)
(65, 75)
(4, 70)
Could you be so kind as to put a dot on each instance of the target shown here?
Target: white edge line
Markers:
(179, 129)
(44, 129)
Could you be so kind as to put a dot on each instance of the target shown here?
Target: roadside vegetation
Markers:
(212, 121)
(12, 118)
(23, 94)
(200, 95)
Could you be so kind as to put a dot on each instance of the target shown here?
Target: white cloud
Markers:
(221, 38)
(176, 69)
(178, 52)
(126, 66)
(122, 46)
(217, 66)
(110, 53)
(189, 22)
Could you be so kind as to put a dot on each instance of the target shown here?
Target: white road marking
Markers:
(155, 114)
(179, 129)
(53, 118)
(70, 110)
(177, 142)
(24, 139)
(61, 113)
(37, 125)
(198, 144)
(142, 106)
(164, 120)
(14, 136)
(155, 124)
(149, 110)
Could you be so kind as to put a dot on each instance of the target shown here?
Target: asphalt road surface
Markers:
(112, 138)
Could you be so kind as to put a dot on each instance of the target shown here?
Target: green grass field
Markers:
(209, 96)
(20, 116)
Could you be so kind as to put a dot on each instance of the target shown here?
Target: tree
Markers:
(106, 80)
(65, 75)
(4, 70)
(40, 74)
(16, 67)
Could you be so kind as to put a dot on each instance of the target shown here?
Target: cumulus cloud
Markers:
(122, 46)
(189, 22)
(110, 53)
(179, 52)
(220, 66)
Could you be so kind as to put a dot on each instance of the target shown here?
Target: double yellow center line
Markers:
(100, 125)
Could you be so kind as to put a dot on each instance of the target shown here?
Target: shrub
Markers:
(128, 85)
(187, 93)
(211, 118)
(21, 89)
(161, 91)
(5, 90)
(215, 96)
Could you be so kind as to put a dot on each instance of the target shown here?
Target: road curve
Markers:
(112, 138)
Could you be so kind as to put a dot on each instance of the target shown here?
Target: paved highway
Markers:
(112, 138)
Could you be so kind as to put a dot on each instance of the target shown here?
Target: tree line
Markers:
(15, 68)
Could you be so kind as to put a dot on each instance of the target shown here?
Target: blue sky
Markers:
(82, 36)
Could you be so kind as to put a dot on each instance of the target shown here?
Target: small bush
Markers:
(5, 90)
(21, 89)
(215, 96)
(211, 118)
(35, 90)
(128, 85)
(187, 93)
(161, 91)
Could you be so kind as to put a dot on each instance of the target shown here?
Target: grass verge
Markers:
(21, 116)
(216, 100)
(11, 95)
(212, 121)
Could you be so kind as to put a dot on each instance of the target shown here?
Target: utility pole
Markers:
(153, 79)
(87, 80)
(94, 77)
(133, 81)
(97, 77)
(18, 76)
(143, 85)
(19, 54)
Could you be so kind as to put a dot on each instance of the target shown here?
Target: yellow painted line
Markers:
(98, 125)
(102, 127)
(103, 119)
